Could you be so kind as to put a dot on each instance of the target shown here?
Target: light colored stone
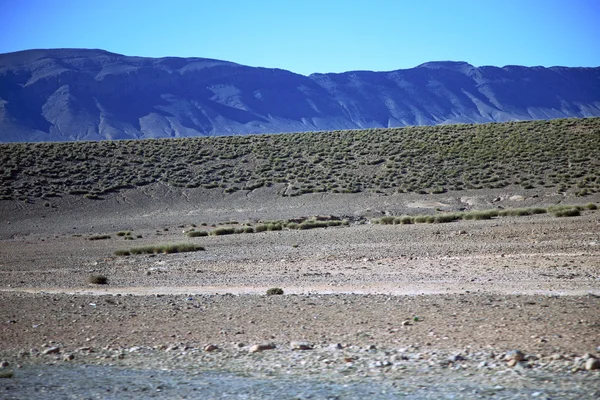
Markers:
(592, 364)
(261, 347)
(516, 355)
(211, 347)
(52, 350)
(297, 345)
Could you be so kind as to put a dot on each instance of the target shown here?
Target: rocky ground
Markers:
(501, 308)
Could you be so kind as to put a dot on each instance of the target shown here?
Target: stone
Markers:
(516, 355)
(51, 350)
(456, 358)
(69, 357)
(4, 364)
(296, 345)
(211, 347)
(592, 364)
(335, 346)
(406, 323)
(261, 347)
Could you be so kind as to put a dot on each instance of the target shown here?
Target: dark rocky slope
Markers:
(74, 94)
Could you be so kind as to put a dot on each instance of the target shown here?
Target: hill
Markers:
(560, 154)
(79, 94)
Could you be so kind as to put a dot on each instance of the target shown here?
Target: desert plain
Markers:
(380, 299)
(397, 308)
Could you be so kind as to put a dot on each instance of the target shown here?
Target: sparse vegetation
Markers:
(166, 249)
(196, 233)
(560, 154)
(558, 211)
(99, 237)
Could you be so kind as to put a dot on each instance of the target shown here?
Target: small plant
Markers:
(261, 228)
(222, 231)
(165, 249)
(196, 234)
(98, 280)
(274, 291)
(99, 237)
(591, 206)
(124, 233)
(568, 212)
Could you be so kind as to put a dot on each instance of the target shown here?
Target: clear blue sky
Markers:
(308, 36)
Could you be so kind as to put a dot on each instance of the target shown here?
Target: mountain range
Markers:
(85, 94)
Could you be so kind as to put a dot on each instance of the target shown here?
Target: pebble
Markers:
(261, 347)
(456, 358)
(4, 364)
(52, 350)
(592, 364)
(516, 355)
(69, 357)
(296, 345)
(211, 347)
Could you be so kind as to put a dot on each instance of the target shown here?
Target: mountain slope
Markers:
(78, 94)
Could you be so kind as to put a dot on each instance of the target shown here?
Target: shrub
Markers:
(196, 233)
(261, 228)
(406, 220)
(98, 280)
(222, 231)
(444, 218)
(274, 291)
(166, 249)
(569, 212)
(123, 233)
(387, 220)
(313, 224)
(591, 206)
(99, 237)
(274, 227)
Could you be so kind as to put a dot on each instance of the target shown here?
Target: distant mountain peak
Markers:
(87, 94)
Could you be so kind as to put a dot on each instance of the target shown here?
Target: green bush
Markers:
(196, 233)
(166, 249)
(569, 212)
(261, 228)
(222, 231)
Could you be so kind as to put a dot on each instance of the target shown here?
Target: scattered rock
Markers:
(51, 350)
(211, 347)
(69, 357)
(592, 364)
(335, 346)
(406, 323)
(261, 347)
(4, 364)
(516, 355)
(6, 374)
(296, 345)
(456, 358)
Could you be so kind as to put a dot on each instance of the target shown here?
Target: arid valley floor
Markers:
(369, 311)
